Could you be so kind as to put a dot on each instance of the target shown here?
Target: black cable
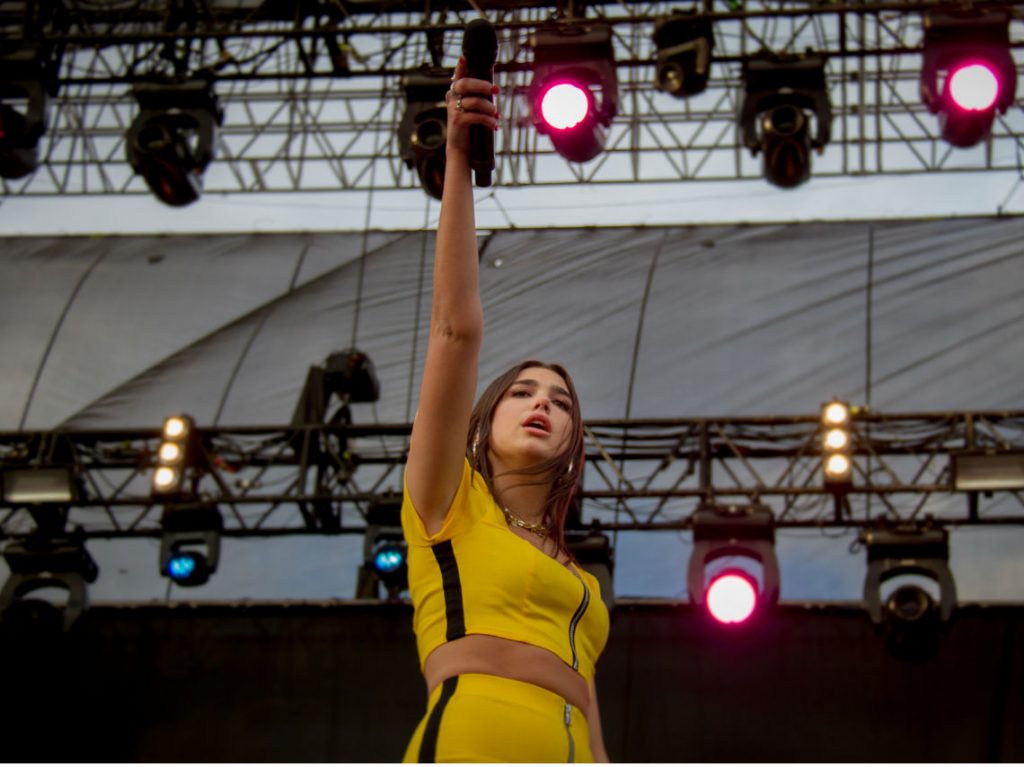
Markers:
(633, 362)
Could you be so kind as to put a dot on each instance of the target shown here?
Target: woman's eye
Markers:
(564, 405)
(520, 393)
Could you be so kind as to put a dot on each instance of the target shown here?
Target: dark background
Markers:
(339, 682)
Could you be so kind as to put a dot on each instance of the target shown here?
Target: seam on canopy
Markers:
(54, 334)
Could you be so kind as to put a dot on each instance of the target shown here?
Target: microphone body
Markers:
(480, 47)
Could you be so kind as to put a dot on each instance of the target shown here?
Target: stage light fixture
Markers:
(909, 617)
(836, 413)
(349, 375)
(389, 562)
(179, 449)
(171, 141)
(183, 564)
(177, 427)
(732, 596)
(19, 141)
(25, 89)
(388, 557)
(190, 542)
(988, 471)
(170, 452)
(837, 446)
(574, 92)
(969, 52)
(44, 485)
(45, 562)
(684, 43)
(385, 552)
(424, 126)
(780, 94)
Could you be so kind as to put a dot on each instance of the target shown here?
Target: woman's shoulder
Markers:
(471, 502)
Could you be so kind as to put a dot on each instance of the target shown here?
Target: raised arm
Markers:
(438, 441)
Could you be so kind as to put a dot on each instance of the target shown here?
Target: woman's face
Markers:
(532, 421)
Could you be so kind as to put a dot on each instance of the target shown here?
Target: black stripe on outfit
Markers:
(445, 555)
(428, 746)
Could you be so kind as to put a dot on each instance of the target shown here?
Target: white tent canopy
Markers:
(651, 322)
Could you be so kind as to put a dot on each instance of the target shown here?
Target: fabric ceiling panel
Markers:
(739, 320)
(750, 322)
(949, 317)
(328, 315)
(732, 321)
(572, 297)
(204, 320)
(37, 280)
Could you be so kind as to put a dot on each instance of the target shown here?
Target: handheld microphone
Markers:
(480, 47)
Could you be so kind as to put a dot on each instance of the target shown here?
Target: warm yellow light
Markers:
(836, 439)
(837, 466)
(170, 452)
(174, 427)
(165, 477)
(836, 413)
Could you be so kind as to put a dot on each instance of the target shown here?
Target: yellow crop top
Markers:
(475, 576)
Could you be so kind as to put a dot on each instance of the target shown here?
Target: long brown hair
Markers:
(566, 468)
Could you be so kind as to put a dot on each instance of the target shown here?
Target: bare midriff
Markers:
(484, 654)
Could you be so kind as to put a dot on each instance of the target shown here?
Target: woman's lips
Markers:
(538, 423)
(537, 432)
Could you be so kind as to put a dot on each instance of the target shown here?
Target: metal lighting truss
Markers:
(312, 96)
(640, 475)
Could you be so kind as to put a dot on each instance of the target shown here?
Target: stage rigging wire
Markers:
(265, 313)
(633, 366)
(420, 281)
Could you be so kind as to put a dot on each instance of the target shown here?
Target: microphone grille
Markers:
(481, 39)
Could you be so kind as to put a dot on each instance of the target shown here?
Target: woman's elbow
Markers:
(464, 332)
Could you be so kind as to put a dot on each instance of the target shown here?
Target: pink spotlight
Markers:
(732, 597)
(564, 105)
(973, 87)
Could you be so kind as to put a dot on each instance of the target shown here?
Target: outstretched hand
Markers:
(468, 104)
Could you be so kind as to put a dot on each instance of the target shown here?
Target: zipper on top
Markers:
(575, 622)
(575, 659)
(568, 732)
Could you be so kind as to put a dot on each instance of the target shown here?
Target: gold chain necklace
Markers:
(512, 519)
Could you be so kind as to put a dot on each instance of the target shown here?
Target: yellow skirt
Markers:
(485, 718)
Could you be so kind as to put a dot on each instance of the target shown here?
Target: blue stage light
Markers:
(182, 566)
(188, 568)
(389, 558)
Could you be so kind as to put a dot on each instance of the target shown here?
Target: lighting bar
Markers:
(988, 471)
(39, 485)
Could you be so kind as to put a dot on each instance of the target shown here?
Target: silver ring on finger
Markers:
(458, 103)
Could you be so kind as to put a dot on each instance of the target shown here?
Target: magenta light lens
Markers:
(731, 598)
(564, 106)
(973, 87)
